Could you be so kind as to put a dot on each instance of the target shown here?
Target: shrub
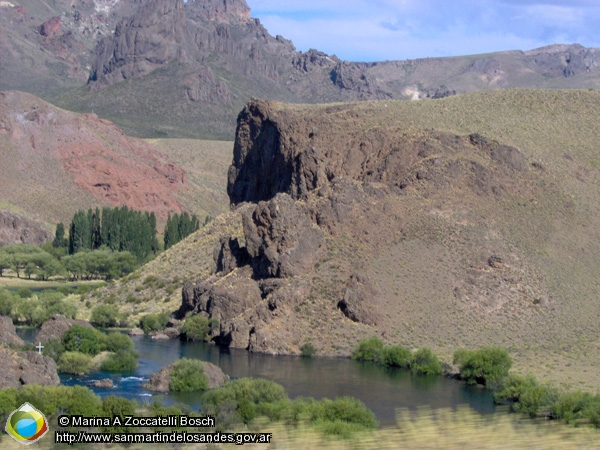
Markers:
(81, 339)
(24, 292)
(6, 302)
(113, 406)
(396, 356)
(124, 361)
(308, 350)
(238, 399)
(487, 366)
(188, 376)
(53, 348)
(368, 350)
(74, 362)
(115, 342)
(8, 401)
(529, 396)
(105, 316)
(341, 416)
(60, 399)
(424, 362)
(196, 328)
(153, 322)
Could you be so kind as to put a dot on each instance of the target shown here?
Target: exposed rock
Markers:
(56, 327)
(159, 382)
(172, 333)
(280, 239)
(228, 255)
(358, 300)
(159, 335)
(15, 229)
(50, 27)
(8, 333)
(21, 368)
(105, 383)
(277, 151)
(136, 332)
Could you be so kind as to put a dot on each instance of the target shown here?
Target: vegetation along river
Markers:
(383, 390)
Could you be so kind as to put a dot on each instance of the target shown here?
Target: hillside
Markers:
(169, 68)
(483, 231)
(55, 162)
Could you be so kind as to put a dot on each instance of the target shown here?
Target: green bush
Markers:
(53, 348)
(7, 300)
(105, 316)
(368, 350)
(487, 366)
(238, 399)
(8, 401)
(196, 328)
(124, 361)
(342, 416)
(153, 322)
(60, 399)
(74, 362)
(396, 356)
(24, 292)
(424, 362)
(115, 342)
(308, 350)
(113, 406)
(188, 376)
(81, 339)
(529, 396)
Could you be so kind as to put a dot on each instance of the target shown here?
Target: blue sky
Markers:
(377, 30)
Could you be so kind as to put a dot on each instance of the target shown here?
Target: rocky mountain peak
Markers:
(225, 11)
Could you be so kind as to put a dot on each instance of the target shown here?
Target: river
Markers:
(382, 389)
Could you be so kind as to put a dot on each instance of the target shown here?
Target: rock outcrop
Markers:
(159, 382)
(320, 196)
(56, 327)
(16, 229)
(8, 333)
(21, 368)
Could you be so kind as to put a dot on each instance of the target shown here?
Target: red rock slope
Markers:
(54, 162)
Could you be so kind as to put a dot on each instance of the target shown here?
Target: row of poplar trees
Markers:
(122, 229)
(118, 229)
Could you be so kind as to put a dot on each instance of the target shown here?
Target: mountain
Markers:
(360, 219)
(169, 68)
(55, 162)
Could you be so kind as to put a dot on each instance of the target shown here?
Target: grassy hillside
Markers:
(430, 257)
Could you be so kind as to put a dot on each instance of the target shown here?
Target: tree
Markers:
(368, 350)
(81, 339)
(59, 236)
(424, 362)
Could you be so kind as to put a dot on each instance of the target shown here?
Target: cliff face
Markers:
(327, 196)
(15, 229)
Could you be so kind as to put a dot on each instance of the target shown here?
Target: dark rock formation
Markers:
(280, 239)
(358, 300)
(21, 368)
(56, 327)
(280, 152)
(8, 333)
(159, 382)
(15, 229)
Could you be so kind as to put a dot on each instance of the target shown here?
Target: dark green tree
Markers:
(59, 236)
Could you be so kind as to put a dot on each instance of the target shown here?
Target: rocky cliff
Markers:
(191, 66)
(325, 194)
(16, 229)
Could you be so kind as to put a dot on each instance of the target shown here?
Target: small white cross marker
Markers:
(39, 347)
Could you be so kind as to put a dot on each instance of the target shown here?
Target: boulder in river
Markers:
(21, 368)
(8, 333)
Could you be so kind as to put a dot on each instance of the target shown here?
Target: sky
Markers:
(379, 30)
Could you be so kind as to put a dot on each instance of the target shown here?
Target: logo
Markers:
(26, 424)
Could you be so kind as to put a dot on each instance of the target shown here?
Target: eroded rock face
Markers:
(21, 368)
(358, 300)
(15, 229)
(56, 328)
(280, 239)
(8, 333)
